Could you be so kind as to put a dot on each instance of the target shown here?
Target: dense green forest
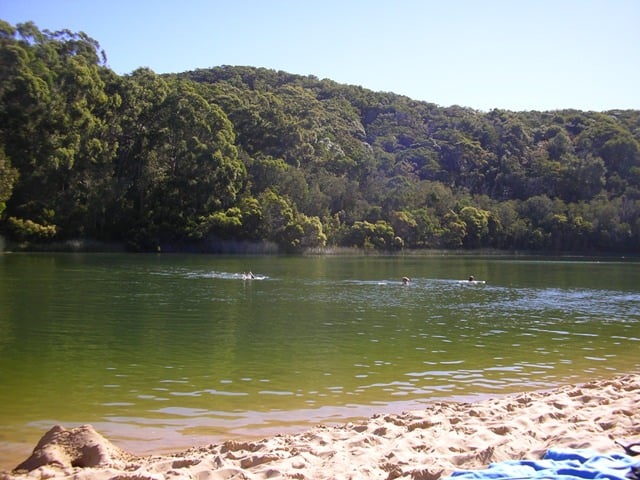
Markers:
(231, 157)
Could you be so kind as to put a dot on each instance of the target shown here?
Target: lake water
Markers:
(164, 351)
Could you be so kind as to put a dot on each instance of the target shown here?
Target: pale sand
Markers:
(425, 444)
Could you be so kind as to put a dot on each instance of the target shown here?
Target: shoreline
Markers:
(424, 444)
(266, 248)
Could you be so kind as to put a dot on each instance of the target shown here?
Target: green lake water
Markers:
(159, 352)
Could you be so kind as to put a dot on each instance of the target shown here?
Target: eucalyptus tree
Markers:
(53, 133)
(8, 178)
(476, 222)
(177, 161)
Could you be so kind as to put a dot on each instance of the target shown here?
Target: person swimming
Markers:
(405, 280)
(472, 278)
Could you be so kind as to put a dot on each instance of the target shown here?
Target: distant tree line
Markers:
(243, 155)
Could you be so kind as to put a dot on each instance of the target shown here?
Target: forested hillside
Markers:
(220, 158)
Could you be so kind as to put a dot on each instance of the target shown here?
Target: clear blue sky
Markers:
(483, 54)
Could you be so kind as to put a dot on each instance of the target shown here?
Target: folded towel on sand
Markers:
(560, 464)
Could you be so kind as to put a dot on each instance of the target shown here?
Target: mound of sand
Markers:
(419, 445)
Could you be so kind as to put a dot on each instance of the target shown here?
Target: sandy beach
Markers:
(422, 445)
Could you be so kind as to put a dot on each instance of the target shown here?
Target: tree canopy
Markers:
(231, 154)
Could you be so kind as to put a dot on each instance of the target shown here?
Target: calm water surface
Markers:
(166, 351)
